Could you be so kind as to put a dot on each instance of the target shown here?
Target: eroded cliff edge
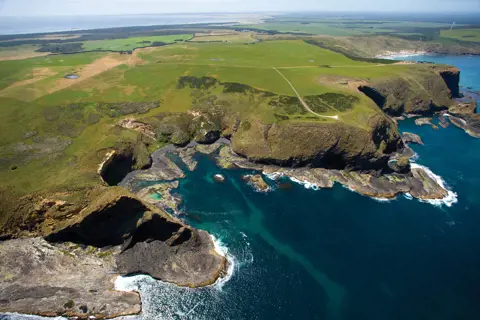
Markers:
(76, 251)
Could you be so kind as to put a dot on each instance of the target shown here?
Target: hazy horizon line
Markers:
(276, 12)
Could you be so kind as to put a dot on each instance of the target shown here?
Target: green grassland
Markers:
(56, 140)
(129, 44)
(340, 27)
(241, 37)
(472, 35)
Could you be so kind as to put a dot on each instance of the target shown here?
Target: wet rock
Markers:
(187, 157)
(411, 138)
(468, 122)
(425, 121)
(61, 280)
(162, 169)
(257, 182)
(443, 121)
(419, 184)
(177, 254)
(160, 195)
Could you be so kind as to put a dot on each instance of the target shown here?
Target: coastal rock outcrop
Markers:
(425, 122)
(464, 116)
(152, 241)
(464, 108)
(61, 280)
(416, 181)
(328, 145)
(176, 254)
(451, 76)
(409, 137)
(468, 122)
(423, 93)
(257, 182)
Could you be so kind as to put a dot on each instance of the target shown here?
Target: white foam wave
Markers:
(305, 183)
(451, 197)
(384, 200)
(222, 250)
(408, 196)
(127, 284)
(273, 175)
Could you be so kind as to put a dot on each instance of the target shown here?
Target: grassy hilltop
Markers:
(57, 131)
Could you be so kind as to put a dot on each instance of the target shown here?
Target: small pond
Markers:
(72, 76)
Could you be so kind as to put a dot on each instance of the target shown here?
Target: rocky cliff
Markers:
(421, 93)
(329, 145)
(110, 229)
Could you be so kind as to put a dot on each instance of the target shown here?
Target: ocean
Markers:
(330, 254)
(25, 25)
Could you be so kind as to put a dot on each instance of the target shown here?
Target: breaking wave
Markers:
(451, 197)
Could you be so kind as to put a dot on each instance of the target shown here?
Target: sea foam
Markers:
(222, 250)
(451, 197)
(305, 183)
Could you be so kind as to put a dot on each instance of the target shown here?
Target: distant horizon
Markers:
(275, 12)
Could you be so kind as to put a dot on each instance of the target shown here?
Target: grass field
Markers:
(339, 27)
(129, 44)
(240, 37)
(472, 35)
(311, 28)
(20, 52)
(55, 128)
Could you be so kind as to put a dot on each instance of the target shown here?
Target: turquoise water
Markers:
(332, 253)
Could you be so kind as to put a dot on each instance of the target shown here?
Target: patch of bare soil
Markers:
(20, 55)
(37, 75)
(347, 83)
(98, 66)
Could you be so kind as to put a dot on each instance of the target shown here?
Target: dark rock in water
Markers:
(219, 178)
(177, 254)
(417, 181)
(425, 121)
(61, 280)
(468, 122)
(443, 121)
(409, 137)
(257, 182)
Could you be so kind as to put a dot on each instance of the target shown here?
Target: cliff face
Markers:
(422, 93)
(451, 76)
(332, 145)
(115, 217)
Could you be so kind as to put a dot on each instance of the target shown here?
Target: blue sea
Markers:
(332, 253)
(25, 25)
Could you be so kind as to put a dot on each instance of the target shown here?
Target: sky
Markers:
(102, 7)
